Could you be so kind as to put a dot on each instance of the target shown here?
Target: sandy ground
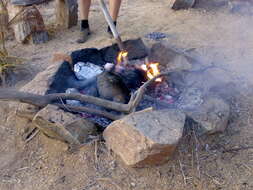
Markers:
(216, 36)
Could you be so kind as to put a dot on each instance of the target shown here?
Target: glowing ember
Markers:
(121, 57)
(152, 70)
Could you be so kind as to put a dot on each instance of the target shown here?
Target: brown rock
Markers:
(64, 126)
(169, 58)
(111, 87)
(145, 138)
(39, 85)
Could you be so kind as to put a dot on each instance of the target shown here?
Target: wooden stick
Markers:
(237, 149)
(42, 101)
(88, 110)
(141, 91)
(182, 171)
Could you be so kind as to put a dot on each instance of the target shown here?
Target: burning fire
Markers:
(152, 70)
(121, 57)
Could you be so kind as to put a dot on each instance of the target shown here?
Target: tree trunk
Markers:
(29, 25)
(66, 13)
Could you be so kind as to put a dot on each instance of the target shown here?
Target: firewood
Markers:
(43, 100)
(30, 24)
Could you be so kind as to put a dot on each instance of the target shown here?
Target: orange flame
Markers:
(152, 70)
(121, 57)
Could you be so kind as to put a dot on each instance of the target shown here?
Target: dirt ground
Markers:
(215, 35)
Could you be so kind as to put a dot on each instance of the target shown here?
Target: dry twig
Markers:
(182, 171)
(43, 100)
(197, 152)
(237, 149)
(111, 181)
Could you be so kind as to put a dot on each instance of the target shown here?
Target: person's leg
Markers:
(114, 9)
(84, 7)
(114, 6)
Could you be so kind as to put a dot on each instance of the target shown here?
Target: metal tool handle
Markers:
(112, 26)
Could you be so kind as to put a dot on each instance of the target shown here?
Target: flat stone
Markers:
(169, 58)
(181, 4)
(27, 2)
(243, 7)
(64, 126)
(145, 138)
(136, 50)
(212, 116)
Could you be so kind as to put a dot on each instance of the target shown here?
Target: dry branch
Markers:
(237, 149)
(44, 100)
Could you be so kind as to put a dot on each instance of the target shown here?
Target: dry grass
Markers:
(7, 62)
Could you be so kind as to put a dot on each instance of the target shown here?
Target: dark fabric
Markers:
(60, 83)
(132, 78)
(65, 77)
(92, 55)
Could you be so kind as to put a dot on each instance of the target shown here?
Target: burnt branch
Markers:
(138, 95)
(43, 100)
(88, 110)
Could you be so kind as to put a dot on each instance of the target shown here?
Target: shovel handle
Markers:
(112, 26)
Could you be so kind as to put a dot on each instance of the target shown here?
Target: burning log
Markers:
(44, 100)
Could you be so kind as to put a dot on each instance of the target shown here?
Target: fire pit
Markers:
(133, 102)
(104, 74)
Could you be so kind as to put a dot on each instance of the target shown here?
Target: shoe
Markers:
(84, 35)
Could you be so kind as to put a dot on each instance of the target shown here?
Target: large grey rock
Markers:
(212, 116)
(243, 7)
(169, 58)
(181, 4)
(145, 138)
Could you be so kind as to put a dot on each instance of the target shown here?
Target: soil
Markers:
(210, 32)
